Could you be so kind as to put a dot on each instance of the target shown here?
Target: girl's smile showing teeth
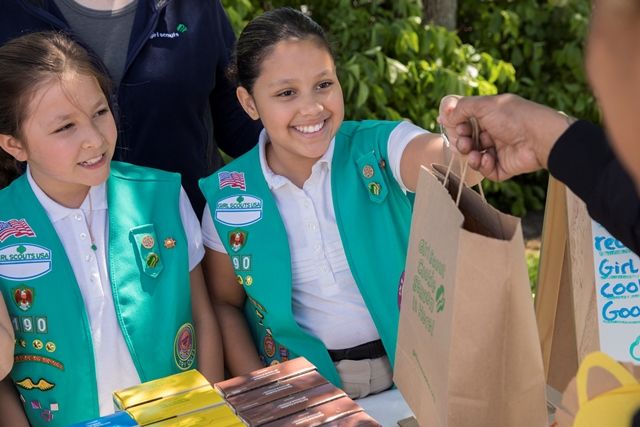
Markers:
(311, 128)
(93, 161)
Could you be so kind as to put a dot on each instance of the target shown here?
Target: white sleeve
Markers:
(209, 233)
(192, 230)
(399, 138)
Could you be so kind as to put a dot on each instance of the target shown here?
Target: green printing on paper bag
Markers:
(424, 375)
(440, 299)
(426, 321)
(425, 250)
(426, 274)
(427, 295)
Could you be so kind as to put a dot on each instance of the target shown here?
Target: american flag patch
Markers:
(231, 179)
(15, 227)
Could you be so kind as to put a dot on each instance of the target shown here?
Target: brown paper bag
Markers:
(468, 352)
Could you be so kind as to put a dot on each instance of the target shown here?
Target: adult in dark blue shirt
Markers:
(167, 58)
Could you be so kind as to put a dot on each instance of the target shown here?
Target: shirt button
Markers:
(87, 258)
(83, 236)
(317, 248)
(78, 217)
(306, 203)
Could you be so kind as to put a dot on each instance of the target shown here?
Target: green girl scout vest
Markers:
(373, 216)
(54, 369)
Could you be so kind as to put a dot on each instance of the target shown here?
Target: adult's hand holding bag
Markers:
(468, 352)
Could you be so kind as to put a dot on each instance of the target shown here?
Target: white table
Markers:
(387, 407)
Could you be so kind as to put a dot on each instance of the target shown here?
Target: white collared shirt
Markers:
(325, 296)
(114, 366)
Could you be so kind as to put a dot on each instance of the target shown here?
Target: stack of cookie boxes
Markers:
(292, 393)
(182, 400)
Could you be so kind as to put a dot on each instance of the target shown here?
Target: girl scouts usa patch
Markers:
(238, 210)
(24, 261)
(184, 347)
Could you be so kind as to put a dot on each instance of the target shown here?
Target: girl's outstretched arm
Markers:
(427, 149)
(7, 341)
(10, 406)
(240, 354)
(208, 338)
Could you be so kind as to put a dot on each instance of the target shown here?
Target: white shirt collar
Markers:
(56, 211)
(275, 181)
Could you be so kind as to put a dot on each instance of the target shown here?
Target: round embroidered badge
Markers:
(184, 348)
(148, 241)
(269, 346)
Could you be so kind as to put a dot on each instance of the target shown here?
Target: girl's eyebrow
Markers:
(286, 81)
(62, 117)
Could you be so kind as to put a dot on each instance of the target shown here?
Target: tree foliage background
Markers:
(393, 65)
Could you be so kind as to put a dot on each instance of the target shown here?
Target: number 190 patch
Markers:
(30, 324)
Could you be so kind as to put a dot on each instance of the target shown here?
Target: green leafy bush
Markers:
(392, 66)
(533, 266)
(544, 40)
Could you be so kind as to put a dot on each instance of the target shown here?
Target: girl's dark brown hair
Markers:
(261, 35)
(25, 63)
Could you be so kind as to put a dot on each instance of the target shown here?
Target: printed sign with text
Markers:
(617, 278)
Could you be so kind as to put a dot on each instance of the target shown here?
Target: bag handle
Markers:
(604, 361)
(475, 137)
